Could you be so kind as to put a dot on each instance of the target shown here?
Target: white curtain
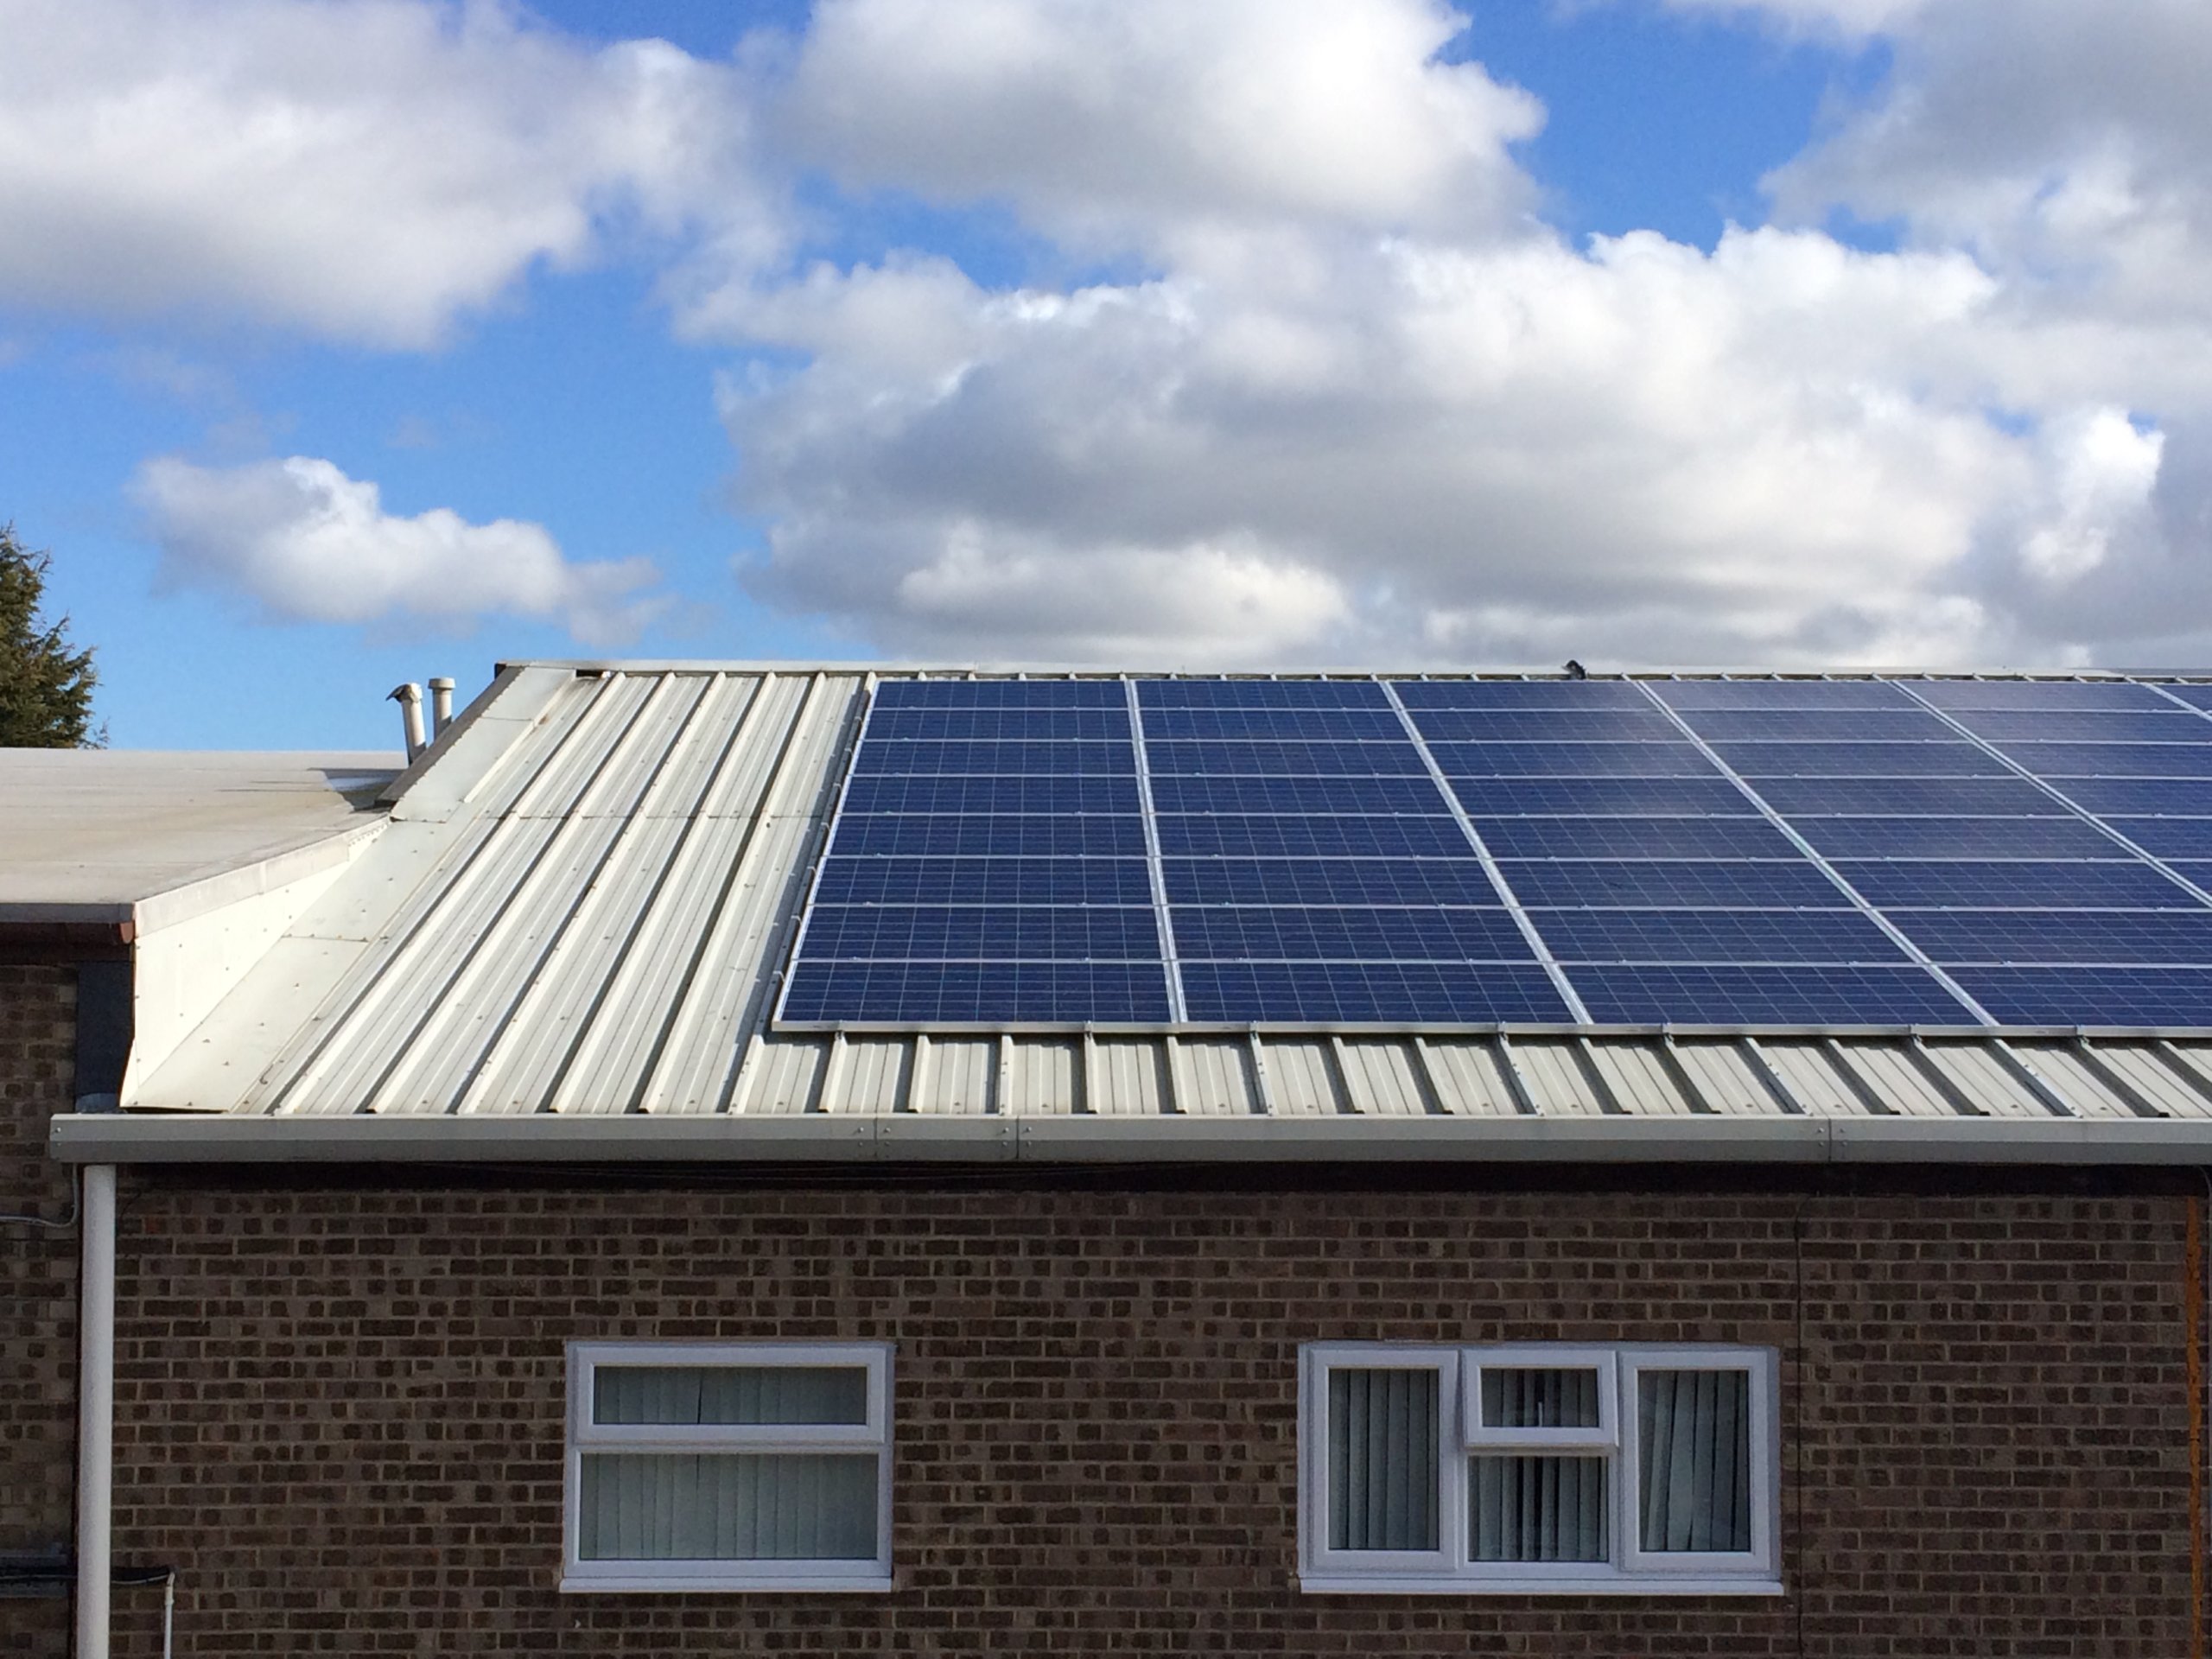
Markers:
(1537, 1508)
(729, 1393)
(1695, 1484)
(693, 1506)
(1383, 1459)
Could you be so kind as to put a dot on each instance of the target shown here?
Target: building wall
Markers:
(340, 1403)
(38, 1294)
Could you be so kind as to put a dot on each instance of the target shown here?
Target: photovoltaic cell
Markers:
(1820, 725)
(2093, 996)
(1823, 995)
(1327, 882)
(1028, 725)
(1744, 838)
(1687, 695)
(2056, 696)
(1347, 934)
(1366, 992)
(1579, 696)
(2168, 837)
(1757, 760)
(1332, 725)
(892, 695)
(1234, 693)
(980, 932)
(1672, 883)
(1710, 936)
(1028, 835)
(2199, 696)
(1600, 798)
(2060, 761)
(1571, 760)
(1313, 797)
(984, 882)
(1956, 798)
(976, 993)
(1261, 835)
(2023, 885)
(1644, 725)
(1171, 758)
(966, 794)
(2187, 798)
(2121, 937)
(1956, 838)
(931, 759)
(2168, 725)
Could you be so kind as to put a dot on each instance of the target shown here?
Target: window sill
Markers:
(1609, 1584)
(723, 1583)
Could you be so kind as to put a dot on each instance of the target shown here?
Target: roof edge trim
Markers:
(162, 1138)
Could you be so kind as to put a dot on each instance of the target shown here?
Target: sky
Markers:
(344, 342)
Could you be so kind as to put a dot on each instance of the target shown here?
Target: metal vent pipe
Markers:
(440, 706)
(409, 699)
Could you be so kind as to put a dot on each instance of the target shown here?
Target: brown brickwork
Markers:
(340, 1403)
(38, 1306)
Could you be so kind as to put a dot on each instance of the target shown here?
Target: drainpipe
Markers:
(440, 706)
(95, 1411)
(409, 699)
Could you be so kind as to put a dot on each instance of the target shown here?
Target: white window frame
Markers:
(579, 1575)
(1446, 1570)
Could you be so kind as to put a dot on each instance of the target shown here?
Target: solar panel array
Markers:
(1356, 850)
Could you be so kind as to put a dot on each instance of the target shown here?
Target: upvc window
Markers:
(1541, 1468)
(747, 1466)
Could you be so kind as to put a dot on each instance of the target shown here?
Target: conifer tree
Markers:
(46, 687)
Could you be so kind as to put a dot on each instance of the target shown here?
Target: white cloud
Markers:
(1165, 124)
(305, 542)
(367, 169)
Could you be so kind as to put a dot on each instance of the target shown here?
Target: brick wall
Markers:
(340, 1405)
(38, 1294)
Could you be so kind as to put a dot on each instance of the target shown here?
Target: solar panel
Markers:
(1287, 850)
(1768, 995)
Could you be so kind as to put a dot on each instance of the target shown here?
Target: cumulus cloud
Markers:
(305, 542)
(1428, 426)
(367, 169)
(1164, 123)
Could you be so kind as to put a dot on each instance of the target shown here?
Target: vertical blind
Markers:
(1382, 1458)
(1522, 1396)
(1695, 1484)
(1537, 1508)
(729, 1505)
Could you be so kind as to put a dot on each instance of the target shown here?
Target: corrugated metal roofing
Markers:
(583, 896)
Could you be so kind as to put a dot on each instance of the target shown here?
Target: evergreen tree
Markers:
(46, 689)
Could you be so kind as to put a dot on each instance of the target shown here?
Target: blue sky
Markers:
(1256, 333)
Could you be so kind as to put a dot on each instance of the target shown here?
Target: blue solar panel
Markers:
(978, 993)
(896, 694)
(1859, 759)
(1686, 695)
(2056, 696)
(991, 859)
(981, 932)
(2168, 837)
(1644, 725)
(1819, 725)
(2198, 696)
(2121, 937)
(1327, 882)
(2025, 885)
(1303, 725)
(1600, 798)
(2169, 725)
(1716, 936)
(2185, 797)
(1261, 693)
(1572, 760)
(2060, 761)
(2091, 997)
(937, 760)
(1242, 992)
(1635, 838)
(1030, 836)
(1418, 695)
(1019, 725)
(1956, 838)
(2006, 797)
(1258, 933)
(972, 792)
(1317, 797)
(1828, 996)
(984, 882)
(1670, 883)
(1283, 837)
(1202, 760)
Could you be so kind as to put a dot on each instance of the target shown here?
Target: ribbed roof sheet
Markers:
(582, 898)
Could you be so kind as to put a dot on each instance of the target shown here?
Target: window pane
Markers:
(729, 1393)
(1695, 1432)
(1382, 1468)
(658, 1506)
(1526, 1397)
(1537, 1508)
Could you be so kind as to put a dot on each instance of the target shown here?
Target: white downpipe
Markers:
(95, 1411)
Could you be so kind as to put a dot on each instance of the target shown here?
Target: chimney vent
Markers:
(409, 699)
(440, 706)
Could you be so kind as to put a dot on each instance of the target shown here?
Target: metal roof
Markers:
(582, 896)
(88, 834)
